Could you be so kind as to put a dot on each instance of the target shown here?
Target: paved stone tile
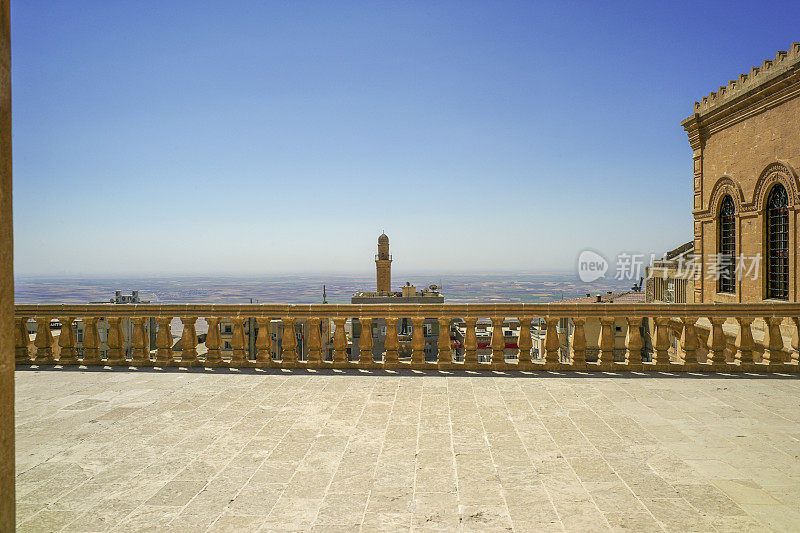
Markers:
(353, 451)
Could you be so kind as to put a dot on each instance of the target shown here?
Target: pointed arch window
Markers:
(727, 246)
(778, 243)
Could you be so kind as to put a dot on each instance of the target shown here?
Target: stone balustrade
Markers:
(551, 337)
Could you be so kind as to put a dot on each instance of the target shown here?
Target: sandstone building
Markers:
(745, 152)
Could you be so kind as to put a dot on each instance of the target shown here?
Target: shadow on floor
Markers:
(535, 374)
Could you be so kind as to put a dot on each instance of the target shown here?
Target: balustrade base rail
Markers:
(542, 337)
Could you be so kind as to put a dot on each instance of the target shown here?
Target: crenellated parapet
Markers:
(769, 70)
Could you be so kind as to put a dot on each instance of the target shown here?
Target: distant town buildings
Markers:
(670, 279)
(408, 294)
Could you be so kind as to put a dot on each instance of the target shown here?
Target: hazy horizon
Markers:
(305, 289)
(192, 138)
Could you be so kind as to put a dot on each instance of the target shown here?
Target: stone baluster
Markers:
(365, 342)
(470, 344)
(164, 356)
(577, 349)
(289, 342)
(66, 341)
(43, 341)
(689, 344)
(552, 344)
(237, 342)
(498, 343)
(524, 343)
(392, 344)
(445, 357)
(139, 342)
(91, 341)
(774, 350)
(716, 343)
(795, 357)
(605, 343)
(633, 344)
(339, 342)
(115, 341)
(661, 348)
(417, 343)
(744, 343)
(21, 340)
(213, 342)
(189, 341)
(264, 341)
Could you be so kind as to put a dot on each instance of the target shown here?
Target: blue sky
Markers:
(267, 137)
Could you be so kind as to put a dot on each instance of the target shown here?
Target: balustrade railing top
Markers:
(755, 310)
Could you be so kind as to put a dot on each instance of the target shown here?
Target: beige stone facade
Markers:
(744, 139)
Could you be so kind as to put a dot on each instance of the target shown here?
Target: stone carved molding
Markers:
(725, 186)
(776, 172)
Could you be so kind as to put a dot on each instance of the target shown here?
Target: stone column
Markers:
(21, 340)
(795, 359)
(115, 341)
(66, 341)
(139, 342)
(264, 341)
(314, 342)
(445, 357)
(498, 343)
(237, 342)
(392, 343)
(716, 343)
(470, 344)
(213, 342)
(689, 344)
(365, 342)
(91, 341)
(577, 349)
(605, 343)
(7, 344)
(744, 343)
(552, 344)
(43, 342)
(289, 342)
(774, 349)
(189, 341)
(633, 344)
(417, 343)
(524, 343)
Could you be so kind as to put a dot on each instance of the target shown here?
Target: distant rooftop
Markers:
(628, 297)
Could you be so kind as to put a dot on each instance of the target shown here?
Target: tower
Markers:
(383, 264)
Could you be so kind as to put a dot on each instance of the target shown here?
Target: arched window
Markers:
(778, 243)
(727, 246)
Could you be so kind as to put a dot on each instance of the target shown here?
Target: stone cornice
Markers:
(767, 86)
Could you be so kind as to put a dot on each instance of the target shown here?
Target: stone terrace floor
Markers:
(192, 451)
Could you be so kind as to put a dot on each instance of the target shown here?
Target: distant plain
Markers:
(306, 289)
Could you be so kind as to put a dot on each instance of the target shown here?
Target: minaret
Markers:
(383, 264)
